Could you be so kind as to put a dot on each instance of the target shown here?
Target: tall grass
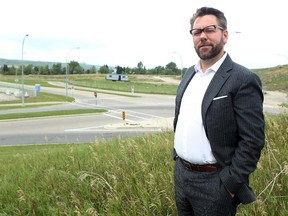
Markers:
(271, 177)
(119, 177)
(131, 176)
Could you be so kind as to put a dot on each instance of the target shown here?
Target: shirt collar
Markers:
(214, 67)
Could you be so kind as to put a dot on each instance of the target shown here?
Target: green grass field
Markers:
(132, 176)
(142, 84)
(274, 79)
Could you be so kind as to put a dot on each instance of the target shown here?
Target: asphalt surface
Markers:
(144, 114)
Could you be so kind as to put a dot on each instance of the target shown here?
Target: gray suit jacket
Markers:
(232, 113)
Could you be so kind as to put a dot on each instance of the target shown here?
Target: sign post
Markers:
(95, 95)
(37, 89)
(124, 116)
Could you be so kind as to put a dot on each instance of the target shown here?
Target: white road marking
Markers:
(84, 129)
(118, 115)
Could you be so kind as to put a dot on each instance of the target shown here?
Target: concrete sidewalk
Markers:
(160, 123)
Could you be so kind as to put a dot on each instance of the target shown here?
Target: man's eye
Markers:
(197, 32)
(209, 30)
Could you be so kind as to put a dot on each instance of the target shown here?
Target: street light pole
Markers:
(67, 72)
(181, 62)
(23, 103)
(235, 32)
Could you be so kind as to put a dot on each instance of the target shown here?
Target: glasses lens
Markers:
(196, 32)
(209, 29)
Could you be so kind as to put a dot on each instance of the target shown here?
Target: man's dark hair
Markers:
(221, 19)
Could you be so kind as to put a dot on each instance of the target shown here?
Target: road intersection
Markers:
(144, 114)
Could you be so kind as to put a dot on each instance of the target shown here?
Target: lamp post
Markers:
(23, 103)
(67, 72)
(231, 33)
(235, 32)
(181, 62)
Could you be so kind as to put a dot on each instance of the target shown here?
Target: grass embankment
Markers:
(41, 100)
(41, 97)
(131, 176)
(274, 79)
(141, 83)
(49, 113)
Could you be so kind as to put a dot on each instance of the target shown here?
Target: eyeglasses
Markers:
(208, 30)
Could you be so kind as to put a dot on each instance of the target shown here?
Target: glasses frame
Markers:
(204, 30)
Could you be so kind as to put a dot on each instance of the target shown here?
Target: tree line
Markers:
(73, 67)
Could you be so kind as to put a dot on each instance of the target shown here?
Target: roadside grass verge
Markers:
(41, 97)
(141, 85)
(17, 106)
(131, 176)
(49, 113)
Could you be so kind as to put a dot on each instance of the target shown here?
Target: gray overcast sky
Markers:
(125, 32)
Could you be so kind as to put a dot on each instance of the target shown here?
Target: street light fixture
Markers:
(23, 103)
(67, 72)
(181, 62)
(235, 32)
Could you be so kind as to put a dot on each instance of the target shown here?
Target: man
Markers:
(219, 125)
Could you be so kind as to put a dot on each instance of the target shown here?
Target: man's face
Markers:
(210, 42)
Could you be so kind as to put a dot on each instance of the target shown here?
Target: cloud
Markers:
(125, 32)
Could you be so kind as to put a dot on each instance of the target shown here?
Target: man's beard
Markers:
(214, 52)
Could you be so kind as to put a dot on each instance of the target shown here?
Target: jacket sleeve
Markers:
(248, 111)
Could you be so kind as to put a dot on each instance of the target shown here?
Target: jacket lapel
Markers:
(215, 85)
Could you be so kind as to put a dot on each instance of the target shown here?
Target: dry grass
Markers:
(131, 176)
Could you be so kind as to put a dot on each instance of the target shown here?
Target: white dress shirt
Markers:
(191, 142)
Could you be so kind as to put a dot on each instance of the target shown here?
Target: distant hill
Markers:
(40, 63)
(275, 78)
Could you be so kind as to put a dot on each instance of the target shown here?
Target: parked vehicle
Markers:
(117, 77)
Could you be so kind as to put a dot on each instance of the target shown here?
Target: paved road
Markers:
(144, 114)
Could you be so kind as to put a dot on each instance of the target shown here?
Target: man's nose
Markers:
(203, 35)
